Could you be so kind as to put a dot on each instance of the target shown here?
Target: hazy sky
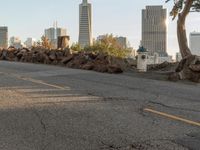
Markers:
(29, 18)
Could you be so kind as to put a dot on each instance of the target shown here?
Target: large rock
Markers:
(88, 66)
(67, 59)
(114, 69)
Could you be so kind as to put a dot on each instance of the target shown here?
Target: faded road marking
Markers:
(43, 83)
(173, 117)
(34, 81)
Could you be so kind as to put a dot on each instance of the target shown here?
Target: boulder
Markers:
(67, 59)
(88, 66)
(114, 69)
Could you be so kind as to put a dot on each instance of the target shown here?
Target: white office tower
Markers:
(85, 24)
(195, 43)
(3, 37)
(154, 30)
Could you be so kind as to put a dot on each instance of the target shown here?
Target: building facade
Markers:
(154, 30)
(122, 41)
(15, 42)
(3, 37)
(30, 42)
(195, 43)
(53, 33)
(85, 24)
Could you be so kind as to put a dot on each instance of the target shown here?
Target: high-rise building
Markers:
(154, 30)
(3, 37)
(195, 43)
(53, 33)
(85, 24)
(122, 41)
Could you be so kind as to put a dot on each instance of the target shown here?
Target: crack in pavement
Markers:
(140, 145)
(43, 125)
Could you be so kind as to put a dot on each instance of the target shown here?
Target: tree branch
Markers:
(186, 9)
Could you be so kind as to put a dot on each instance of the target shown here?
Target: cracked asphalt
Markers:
(46, 107)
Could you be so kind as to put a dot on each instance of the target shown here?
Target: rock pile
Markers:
(165, 66)
(80, 60)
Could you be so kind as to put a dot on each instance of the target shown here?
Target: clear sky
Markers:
(29, 18)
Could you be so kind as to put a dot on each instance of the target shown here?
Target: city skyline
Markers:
(34, 18)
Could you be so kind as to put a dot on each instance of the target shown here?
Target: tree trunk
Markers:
(182, 37)
(63, 42)
(189, 67)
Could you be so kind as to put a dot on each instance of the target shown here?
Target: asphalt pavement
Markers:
(45, 107)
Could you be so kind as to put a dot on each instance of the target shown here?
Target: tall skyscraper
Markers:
(195, 43)
(154, 30)
(85, 24)
(3, 37)
(53, 33)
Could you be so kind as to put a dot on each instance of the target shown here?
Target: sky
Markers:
(29, 18)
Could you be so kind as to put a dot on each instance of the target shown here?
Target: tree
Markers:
(76, 47)
(189, 67)
(109, 45)
(45, 43)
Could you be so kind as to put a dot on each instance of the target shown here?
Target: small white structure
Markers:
(158, 59)
(142, 59)
(178, 57)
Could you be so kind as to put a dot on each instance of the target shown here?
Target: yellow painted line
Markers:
(173, 117)
(43, 83)
(37, 81)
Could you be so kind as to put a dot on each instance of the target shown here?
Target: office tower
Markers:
(122, 41)
(30, 42)
(154, 30)
(3, 37)
(53, 33)
(195, 43)
(85, 24)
